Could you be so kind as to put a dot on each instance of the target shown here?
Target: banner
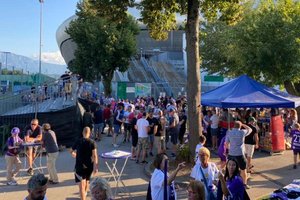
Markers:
(121, 91)
(142, 89)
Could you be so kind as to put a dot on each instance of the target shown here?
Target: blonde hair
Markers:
(204, 150)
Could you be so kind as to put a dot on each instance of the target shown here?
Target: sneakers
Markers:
(53, 182)
(151, 154)
(247, 186)
(12, 183)
(115, 145)
(144, 162)
(295, 167)
(30, 171)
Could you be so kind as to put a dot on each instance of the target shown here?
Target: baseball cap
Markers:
(252, 119)
(15, 130)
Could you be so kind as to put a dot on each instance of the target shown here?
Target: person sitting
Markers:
(157, 178)
(33, 134)
(232, 183)
(12, 156)
(100, 189)
(37, 187)
(196, 190)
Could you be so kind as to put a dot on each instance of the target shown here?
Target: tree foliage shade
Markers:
(103, 45)
(264, 45)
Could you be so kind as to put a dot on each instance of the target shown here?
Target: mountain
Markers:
(29, 65)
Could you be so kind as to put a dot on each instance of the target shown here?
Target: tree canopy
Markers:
(264, 45)
(103, 45)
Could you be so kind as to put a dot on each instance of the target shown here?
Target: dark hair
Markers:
(158, 159)
(236, 171)
(202, 138)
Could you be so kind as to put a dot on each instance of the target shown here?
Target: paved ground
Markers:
(271, 172)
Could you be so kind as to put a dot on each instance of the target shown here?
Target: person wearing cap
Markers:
(12, 156)
(251, 142)
(37, 187)
(50, 143)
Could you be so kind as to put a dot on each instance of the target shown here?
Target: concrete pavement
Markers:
(271, 172)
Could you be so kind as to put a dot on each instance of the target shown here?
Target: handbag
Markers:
(211, 194)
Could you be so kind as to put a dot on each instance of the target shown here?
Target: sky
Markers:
(20, 27)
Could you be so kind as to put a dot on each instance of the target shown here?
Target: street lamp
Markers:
(41, 26)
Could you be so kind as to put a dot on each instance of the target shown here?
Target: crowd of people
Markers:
(153, 126)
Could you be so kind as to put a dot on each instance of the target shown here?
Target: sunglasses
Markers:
(33, 124)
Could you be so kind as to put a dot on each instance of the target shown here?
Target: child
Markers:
(12, 156)
(202, 140)
(295, 134)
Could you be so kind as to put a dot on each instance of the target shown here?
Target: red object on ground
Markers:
(278, 143)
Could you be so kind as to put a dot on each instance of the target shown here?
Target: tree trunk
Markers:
(290, 88)
(107, 83)
(193, 74)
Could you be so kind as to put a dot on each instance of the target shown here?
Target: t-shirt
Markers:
(214, 121)
(152, 123)
(119, 115)
(171, 120)
(98, 116)
(50, 142)
(183, 125)
(33, 134)
(249, 139)
(106, 113)
(198, 147)
(87, 120)
(11, 141)
(157, 185)
(210, 173)
(142, 127)
(84, 148)
(236, 188)
(295, 134)
(133, 130)
(236, 138)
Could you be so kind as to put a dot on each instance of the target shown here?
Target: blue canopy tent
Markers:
(246, 92)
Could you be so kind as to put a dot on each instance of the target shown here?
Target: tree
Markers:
(159, 16)
(264, 45)
(103, 45)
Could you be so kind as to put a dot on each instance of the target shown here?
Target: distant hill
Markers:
(29, 65)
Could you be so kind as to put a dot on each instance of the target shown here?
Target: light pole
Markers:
(41, 26)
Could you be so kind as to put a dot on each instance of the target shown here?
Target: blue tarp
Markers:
(246, 92)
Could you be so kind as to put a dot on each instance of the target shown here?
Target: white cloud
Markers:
(51, 57)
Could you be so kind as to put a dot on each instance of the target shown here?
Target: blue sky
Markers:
(20, 26)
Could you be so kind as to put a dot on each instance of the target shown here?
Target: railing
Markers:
(136, 65)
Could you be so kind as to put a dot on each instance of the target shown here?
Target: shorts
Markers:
(159, 142)
(214, 131)
(143, 143)
(241, 161)
(249, 150)
(174, 137)
(296, 151)
(134, 140)
(68, 88)
(117, 128)
(83, 174)
(109, 122)
(98, 127)
(151, 138)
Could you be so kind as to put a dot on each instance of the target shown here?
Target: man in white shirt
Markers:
(142, 127)
(214, 125)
